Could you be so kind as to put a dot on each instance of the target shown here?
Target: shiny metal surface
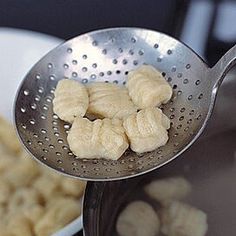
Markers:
(210, 166)
(107, 55)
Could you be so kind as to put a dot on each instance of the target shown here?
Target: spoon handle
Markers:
(222, 67)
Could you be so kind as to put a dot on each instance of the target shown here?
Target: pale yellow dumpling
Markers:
(24, 198)
(3, 211)
(34, 213)
(62, 212)
(180, 219)
(71, 100)
(5, 191)
(98, 139)
(6, 160)
(147, 87)
(46, 186)
(73, 187)
(8, 137)
(109, 101)
(138, 219)
(5, 232)
(22, 173)
(147, 129)
(31, 194)
(19, 225)
(168, 189)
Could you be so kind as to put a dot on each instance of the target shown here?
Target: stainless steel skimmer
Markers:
(108, 55)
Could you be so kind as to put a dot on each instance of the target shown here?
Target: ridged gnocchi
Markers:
(24, 198)
(175, 218)
(19, 225)
(22, 174)
(28, 191)
(5, 191)
(4, 232)
(180, 219)
(73, 187)
(34, 213)
(108, 100)
(168, 189)
(6, 160)
(8, 137)
(71, 100)
(98, 139)
(3, 212)
(46, 186)
(57, 216)
(138, 219)
(147, 87)
(147, 129)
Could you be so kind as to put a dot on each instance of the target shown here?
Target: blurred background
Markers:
(206, 26)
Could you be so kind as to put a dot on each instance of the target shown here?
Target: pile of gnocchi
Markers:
(34, 201)
(124, 116)
(166, 215)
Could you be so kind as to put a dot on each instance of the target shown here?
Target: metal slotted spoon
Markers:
(108, 55)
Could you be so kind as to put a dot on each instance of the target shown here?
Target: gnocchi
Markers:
(19, 225)
(4, 232)
(5, 191)
(22, 173)
(165, 190)
(147, 129)
(34, 213)
(98, 139)
(180, 219)
(57, 216)
(46, 186)
(28, 193)
(109, 101)
(5, 162)
(147, 87)
(138, 219)
(24, 198)
(71, 100)
(2, 212)
(8, 137)
(72, 187)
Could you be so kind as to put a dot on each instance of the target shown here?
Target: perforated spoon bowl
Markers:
(108, 55)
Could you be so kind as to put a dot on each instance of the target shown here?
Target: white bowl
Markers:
(20, 50)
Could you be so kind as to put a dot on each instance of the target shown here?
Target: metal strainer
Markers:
(108, 55)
